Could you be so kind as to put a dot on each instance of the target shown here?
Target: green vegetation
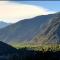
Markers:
(48, 47)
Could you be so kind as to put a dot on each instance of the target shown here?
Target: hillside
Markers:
(44, 27)
(3, 24)
(6, 49)
(51, 33)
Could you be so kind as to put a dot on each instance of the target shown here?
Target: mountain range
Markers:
(43, 29)
(3, 24)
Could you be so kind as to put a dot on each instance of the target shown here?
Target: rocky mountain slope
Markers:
(51, 33)
(40, 29)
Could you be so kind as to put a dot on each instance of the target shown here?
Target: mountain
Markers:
(51, 33)
(6, 49)
(3, 24)
(39, 29)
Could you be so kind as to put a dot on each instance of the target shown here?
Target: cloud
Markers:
(13, 12)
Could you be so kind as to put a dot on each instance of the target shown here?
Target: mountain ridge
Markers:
(3, 24)
(27, 29)
(51, 34)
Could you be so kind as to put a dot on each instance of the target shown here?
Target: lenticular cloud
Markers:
(13, 12)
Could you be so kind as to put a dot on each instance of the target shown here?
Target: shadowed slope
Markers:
(24, 30)
(40, 29)
(6, 49)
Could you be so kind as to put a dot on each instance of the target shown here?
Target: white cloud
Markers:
(13, 12)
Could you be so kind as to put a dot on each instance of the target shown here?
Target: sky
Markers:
(51, 5)
(13, 11)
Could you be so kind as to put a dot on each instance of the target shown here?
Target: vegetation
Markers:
(44, 47)
(30, 52)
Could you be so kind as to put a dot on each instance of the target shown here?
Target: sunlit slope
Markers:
(51, 33)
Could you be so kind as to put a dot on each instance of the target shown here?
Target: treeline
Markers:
(26, 54)
(44, 52)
